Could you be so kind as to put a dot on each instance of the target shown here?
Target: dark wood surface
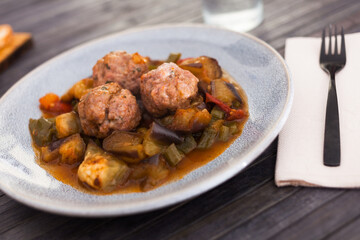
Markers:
(248, 206)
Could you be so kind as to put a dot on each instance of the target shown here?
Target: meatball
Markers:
(167, 88)
(122, 68)
(106, 108)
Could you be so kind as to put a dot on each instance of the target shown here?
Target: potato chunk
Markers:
(101, 170)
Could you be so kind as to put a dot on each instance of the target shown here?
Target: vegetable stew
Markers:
(138, 123)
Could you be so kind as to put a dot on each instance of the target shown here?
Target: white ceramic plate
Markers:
(258, 68)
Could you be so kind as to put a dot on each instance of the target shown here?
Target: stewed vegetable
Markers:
(42, 130)
(179, 115)
(101, 170)
(67, 124)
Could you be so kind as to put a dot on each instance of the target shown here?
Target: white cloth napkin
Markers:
(300, 149)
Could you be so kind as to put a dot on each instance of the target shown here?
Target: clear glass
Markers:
(237, 15)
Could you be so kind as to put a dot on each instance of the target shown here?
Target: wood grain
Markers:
(248, 206)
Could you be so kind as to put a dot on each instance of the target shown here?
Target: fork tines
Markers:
(330, 52)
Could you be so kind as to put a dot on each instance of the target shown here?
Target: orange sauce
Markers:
(193, 160)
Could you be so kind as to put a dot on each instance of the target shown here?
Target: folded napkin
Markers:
(300, 148)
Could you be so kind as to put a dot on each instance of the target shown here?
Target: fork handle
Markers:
(332, 129)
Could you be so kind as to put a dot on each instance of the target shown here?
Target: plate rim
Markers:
(169, 199)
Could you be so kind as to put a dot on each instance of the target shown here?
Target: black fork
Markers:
(332, 62)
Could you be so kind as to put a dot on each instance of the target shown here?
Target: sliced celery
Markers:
(217, 113)
(172, 155)
(210, 135)
(188, 145)
(224, 134)
(233, 127)
(207, 138)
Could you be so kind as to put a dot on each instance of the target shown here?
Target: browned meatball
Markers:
(106, 108)
(122, 68)
(167, 88)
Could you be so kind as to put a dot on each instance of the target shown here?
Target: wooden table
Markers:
(248, 206)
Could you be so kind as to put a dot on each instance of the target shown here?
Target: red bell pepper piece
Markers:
(51, 104)
(232, 114)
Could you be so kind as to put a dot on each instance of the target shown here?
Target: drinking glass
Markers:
(237, 15)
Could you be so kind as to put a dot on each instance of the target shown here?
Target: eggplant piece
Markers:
(67, 124)
(221, 91)
(120, 139)
(151, 172)
(101, 170)
(157, 172)
(131, 154)
(72, 149)
(235, 92)
(194, 68)
(125, 144)
(204, 68)
(42, 130)
(152, 146)
(153, 159)
(201, 106)
(203, 87)
(141, 170)
(165, 135)
(47, 154)
(195, 65)
(197, 101)
(172, 155)
(56, 144)
(68, 150)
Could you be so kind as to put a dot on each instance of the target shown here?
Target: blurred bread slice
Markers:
(12, 45)
(6, 33)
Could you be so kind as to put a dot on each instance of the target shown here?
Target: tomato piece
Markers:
(138, 59)
(51, 104)
(47, 101)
